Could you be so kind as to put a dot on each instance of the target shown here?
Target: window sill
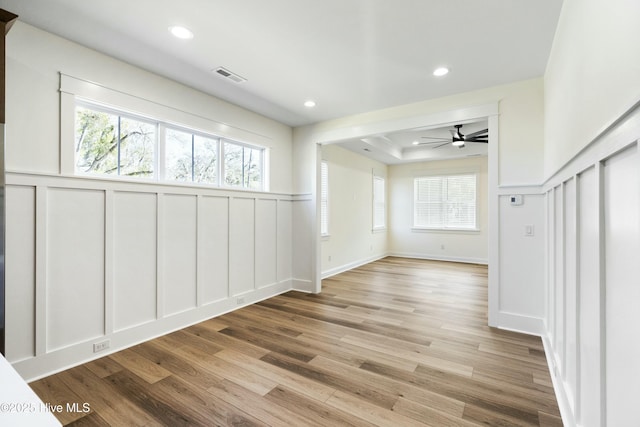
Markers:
(445, 230)
(379, 230)
(325, 237)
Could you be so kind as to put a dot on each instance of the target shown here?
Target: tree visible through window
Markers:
(190, 157)
(443, 202)
(242, 166)
(111, 142)
(108, 143)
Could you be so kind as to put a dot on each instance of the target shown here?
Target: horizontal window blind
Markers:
(379, 206)
(445, 201)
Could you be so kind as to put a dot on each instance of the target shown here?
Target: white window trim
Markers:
(378, 228)
(324, 233)
(75, 90)
(441, 173)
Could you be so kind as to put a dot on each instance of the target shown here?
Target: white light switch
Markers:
(528, 230)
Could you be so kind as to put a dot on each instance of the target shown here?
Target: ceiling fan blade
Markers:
(441, 145)
(475, 134)
(434, 142)
(482, 140)
(434, 137)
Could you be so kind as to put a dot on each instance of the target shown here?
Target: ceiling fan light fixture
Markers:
(459, 143)
(416, 142)
(441, 71)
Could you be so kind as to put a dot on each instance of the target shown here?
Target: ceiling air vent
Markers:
(228, 74)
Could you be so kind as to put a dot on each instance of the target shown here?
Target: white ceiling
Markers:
(398, 147)
(350, 56)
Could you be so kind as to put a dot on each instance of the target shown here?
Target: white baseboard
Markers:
(58, 360)
(568, 417)
(520, 323)
(465, 260)
(350, 266)
(302, 285)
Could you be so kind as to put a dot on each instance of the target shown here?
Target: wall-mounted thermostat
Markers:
(516, 200)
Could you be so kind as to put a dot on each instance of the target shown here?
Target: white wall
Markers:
(351, 241)
(592, 75)
(35, 60)
(593, 212)
(90, 260)
(463, 246)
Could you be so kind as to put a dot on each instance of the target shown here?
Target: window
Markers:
(445, 202)
(242, 166)
(190, 157)
(379, 206)
(114, 144)
(324, 199)
(111, 142)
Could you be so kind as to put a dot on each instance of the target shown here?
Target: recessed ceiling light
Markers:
(441, 71)
(310, 104)
(181, 32)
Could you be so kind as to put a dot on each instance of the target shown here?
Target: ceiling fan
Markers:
(458, 139)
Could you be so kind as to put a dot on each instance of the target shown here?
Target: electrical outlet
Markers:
(240, 300)
(101, 346)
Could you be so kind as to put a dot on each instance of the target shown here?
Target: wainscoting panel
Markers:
(593, 277)
(113, 262)
(266, 242)
(559, 284)
(75, 289)
(621, 232)
(285, 239)
(134, 259)
(242, 245)
(588, 361)
(20, 276)
(571, 295)
(213, 249)
(178, 259)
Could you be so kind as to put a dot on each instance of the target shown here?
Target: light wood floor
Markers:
(397, 342)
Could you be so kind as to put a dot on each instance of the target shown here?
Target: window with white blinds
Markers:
(324, 199)
(379, 204)
(445, 202)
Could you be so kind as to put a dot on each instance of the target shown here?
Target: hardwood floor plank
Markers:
(55, 392)
(206, 409)
(142, 367)
(104, 399)
(428, 415)
(369, 412)
(396, 342)
(141, 395)
(90, 420)
(354, 355)
(318, 413)
(220, 368)
(338, 380)
(103, 367)
(258, 407)
(312, 389)
(396, 389)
